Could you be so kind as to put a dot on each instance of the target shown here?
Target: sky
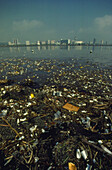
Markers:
(35, 20)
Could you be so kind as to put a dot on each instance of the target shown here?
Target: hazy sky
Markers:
(55, 19)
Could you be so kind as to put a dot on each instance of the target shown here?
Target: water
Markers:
(42, 63)
(101, 55)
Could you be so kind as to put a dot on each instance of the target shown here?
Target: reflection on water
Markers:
(38, 47)
(68, 48)
(11, 49)
(46, 47)
(71, 47)
(16, 49)
(28, 48)
(78, 47)
(99, 54)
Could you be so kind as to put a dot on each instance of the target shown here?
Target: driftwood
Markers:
(78, 129)
(96, 147)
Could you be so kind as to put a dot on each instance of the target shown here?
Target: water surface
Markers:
(101, 55)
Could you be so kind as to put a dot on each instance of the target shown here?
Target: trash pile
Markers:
(65, 118)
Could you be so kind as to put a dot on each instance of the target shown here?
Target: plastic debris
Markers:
(72, 166)
(78, 154)
(3, 113)
(39, 124)
(84, 154)
(32, 96)
(57, 115)
(106, 149)
(89, 167)
(71, 107)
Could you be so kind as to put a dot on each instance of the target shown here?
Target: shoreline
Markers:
(24, 45)
(37, 124)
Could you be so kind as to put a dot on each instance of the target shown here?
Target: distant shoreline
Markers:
(24, 45)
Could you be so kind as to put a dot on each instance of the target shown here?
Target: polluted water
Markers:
(55, 114)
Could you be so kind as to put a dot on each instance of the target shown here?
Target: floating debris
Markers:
(53, 113)
(71, 107)
(72, 166)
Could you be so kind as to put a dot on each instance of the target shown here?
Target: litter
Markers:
(72, 166)
(71, 107)
(63, 116)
